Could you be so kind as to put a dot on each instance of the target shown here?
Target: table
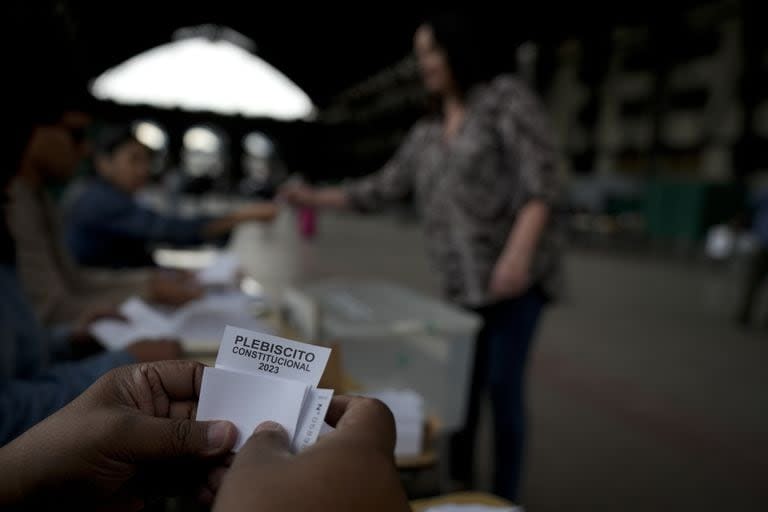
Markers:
(463, 498)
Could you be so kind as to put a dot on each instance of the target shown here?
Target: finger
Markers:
(183, 410)
(268, 443)
(159, 439)
(364, 418)
(215, 477)
(205, 496)
(178, 380)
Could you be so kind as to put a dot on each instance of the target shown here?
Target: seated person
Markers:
(33, 384)
(131, 436)
(34, 380)
(107, 227)
(59, 290)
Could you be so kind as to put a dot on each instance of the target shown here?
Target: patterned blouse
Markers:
(470, 189)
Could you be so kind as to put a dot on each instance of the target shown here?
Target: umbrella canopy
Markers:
(201, 74)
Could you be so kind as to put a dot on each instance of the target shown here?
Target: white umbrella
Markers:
(204, 75)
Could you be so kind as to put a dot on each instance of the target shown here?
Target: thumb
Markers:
(164, 438)
(267, 443)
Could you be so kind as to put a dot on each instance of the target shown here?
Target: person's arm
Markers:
(259, 212)
(511, 275)
(26, 402)
(528, 144)
(394, 182)
(327, 198)
(132, 220)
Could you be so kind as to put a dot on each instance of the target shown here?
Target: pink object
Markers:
(307, 222)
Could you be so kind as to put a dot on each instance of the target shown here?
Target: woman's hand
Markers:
(349, 469)
(129, 435)
(511, 276)
(261, 212)
(297, 193)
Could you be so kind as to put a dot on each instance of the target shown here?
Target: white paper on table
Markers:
(221, 272)
(407, 407)
(248, 400)
(312, 418)
(199, 324)
(258, 353)
(142, 322)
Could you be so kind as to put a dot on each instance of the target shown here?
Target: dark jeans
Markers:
(500, 360)
(756, 276)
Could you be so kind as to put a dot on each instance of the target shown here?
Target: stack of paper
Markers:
(407, 407)
(199, 324)
(260, 378)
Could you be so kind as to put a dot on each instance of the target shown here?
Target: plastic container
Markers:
(394, 338)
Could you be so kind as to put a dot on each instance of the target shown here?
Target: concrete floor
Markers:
(642, 395)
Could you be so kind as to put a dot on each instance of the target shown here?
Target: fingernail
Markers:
(269, 426)
(217, 434)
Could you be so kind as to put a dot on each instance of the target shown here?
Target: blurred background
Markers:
(645, 388)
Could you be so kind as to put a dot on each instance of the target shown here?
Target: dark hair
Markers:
(110, 138)
(473, 45)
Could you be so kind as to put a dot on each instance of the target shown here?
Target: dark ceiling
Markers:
(326, 48)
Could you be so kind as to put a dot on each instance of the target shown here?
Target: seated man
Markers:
(32, 384)
(60, 290)
(107, 227)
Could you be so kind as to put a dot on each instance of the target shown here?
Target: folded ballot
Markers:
(258, 377)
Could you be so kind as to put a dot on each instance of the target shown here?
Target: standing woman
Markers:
(482, 171)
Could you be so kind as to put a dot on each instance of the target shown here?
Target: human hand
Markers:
(261, 212)
(130, 435)
(81, 327)
(349, 469)
(147, 351)
(511, 277)
(173, 288)
(297, 193)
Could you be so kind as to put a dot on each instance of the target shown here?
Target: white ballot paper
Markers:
(199, 323)
(259, 377)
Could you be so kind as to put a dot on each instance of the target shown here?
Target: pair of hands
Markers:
(132, 435)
